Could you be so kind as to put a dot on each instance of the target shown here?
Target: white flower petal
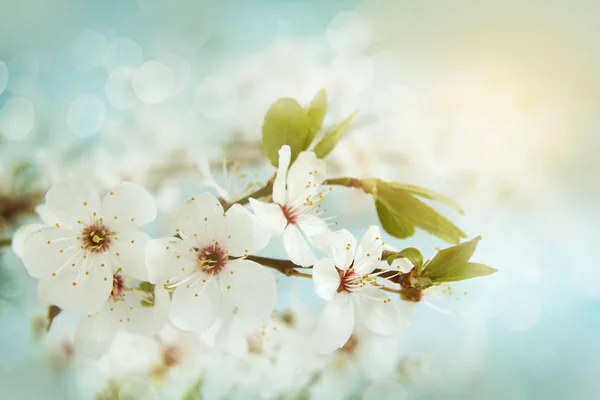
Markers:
(297, 247)
(335, 325)
(305, 177)
(128, 206)
(19, 237)
(195, 308)
(46, 216)
(312, 225)
(279, 190)
(377, 312)
(377, 355)
(95, 333)
(202, 219)
(207, 179)
(402, 264)
(138, 318)
(251, 286)
(368, 253)
(231, 336)
(72, 201)
(73, 289)
(48, 250)
(169, 260)
(270, 214)
(339, 246)
(246, 233)
(326, 279)
(131, 249)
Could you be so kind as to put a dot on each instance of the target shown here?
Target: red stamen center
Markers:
(96, 238)
(349, 281)
(118, 286)
(290, 215)
(212, 259)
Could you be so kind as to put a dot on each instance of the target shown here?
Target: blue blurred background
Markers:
(495, 104)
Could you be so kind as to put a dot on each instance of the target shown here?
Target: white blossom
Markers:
(137, 311)
(345, 280)
(295, 208)
(90, 240)
(207, 262)
(234, 183)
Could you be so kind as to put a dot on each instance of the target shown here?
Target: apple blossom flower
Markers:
(90, 239)
(295, 208)
(18, 240)
(136, 310)
(346, 281)
(207, 262)
(234, 183)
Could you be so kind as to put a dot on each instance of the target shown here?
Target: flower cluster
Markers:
(209, 276)
(92, 258)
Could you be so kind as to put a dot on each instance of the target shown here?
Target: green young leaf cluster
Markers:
(449, 265)
(413, 255)
(400, 207)
(400, 210)
(288, 123)
(453, 264)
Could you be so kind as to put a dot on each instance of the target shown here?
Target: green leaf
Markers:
(413, 255)
(286, 122)
(402, 210)
(465, 271)
(447, 261)
(331, 138)
(393, 223)
(429, 194)
(316, 114)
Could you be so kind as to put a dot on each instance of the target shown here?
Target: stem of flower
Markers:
(286, 267)
(53, 312)
(387, 289)
(5, 242)
(260, 193)
(366, 185)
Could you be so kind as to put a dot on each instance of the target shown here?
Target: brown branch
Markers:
(366, 185)
(53, 312)
(286, 267)
(5, 242)
(387, 289)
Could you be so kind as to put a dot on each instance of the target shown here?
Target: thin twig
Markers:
(286, 267)
(387, 289)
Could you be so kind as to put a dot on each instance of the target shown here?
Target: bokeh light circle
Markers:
(23, 70)
(181, 69)
(87, 50)
(17, 118)
(119, 89)
(216, 96)
(86, 115)
(153, 82)
(122, 52)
